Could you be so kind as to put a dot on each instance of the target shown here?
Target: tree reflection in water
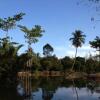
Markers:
(74, 86)
(46, 88)
(47, 95)
(24, 88)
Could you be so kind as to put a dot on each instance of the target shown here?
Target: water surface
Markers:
(53, 88)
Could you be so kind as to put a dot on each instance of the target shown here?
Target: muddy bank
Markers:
(42, 73)
(67, 75)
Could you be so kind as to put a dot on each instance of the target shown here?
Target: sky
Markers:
(59, 18)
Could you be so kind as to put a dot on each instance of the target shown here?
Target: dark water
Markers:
(54, 88)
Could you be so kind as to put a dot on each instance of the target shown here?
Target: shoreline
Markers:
(67, 75)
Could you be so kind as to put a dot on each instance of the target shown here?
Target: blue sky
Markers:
(59, 18)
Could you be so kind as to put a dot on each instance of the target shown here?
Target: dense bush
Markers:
(51, 63)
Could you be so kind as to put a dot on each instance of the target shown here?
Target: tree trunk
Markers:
(74, 60)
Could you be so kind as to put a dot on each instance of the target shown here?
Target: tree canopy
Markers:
(47, 50)
(32, 35)
(95, 43)
(10, 22)
(78, 38)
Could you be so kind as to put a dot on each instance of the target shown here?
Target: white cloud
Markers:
(70, 53)
(86, 47)
(60, 48)
(84, 51)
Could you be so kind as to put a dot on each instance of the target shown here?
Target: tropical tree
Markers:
(9, 50)
(32, 35)
(96, 44)
(10, 22)
(51, 63)
(47, 50)
(67, 63)
(7, 47)
(8, 60)
(77, 40)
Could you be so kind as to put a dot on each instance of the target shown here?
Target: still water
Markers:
(53, 88)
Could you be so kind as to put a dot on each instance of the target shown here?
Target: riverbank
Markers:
(67, 75)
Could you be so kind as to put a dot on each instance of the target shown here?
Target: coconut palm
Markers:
(77, 40)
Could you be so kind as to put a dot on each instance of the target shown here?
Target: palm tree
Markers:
(96, 44)
(31, 35)
(77, 40)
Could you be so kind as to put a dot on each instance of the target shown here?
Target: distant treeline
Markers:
(50, 63)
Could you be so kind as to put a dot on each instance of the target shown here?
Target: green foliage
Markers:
(8, 61)
(24, 58)
(51, 63)
(96, 43)
(8, 48)
(80, 64)
(10, 22)
(90, 65)
(78, 38)
(35, 63)
(67, 63)
(8, 51)
(48, 50)
(32, 35)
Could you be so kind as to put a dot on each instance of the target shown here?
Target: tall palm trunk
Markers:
(74, 59)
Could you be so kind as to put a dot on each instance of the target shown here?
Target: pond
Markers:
(53, 88)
